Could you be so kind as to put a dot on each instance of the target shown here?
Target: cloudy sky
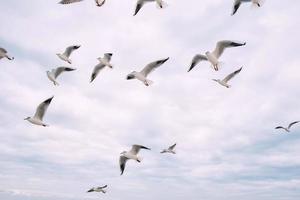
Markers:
(227, 145)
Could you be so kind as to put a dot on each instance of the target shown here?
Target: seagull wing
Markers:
(105, 186)
(69, 1)
(70, 49)
(136, 149)
(108, 56)
(96, 71)
(91, 190)
(222, 45)
(3, 50)
(236, 5)
(60, 70)
(172, 147)
(230, 76)
(100, 2)
(139, 5)
(151, 66)
(291, 124)
(197, 58)
(42, 108)
(122, 162)
(280, 127)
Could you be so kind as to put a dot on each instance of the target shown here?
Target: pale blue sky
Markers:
(227, 145)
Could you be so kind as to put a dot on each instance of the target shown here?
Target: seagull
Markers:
(237, 4)
(216, 54)
(170, 149)
(3, 54)
(140, 3)
(103, 62)
(132, 154)
(228, 78)
(37, 119)
(65, 56)
(98, 189)
(98, 2)
(54, 73)
(289, 127)
(142, 75)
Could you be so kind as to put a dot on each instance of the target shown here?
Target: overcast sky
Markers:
(227, 145)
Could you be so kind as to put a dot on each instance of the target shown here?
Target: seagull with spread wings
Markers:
(213, 57)
(66, 55)
(98, 189)
(54, 73)
(3, 54)
(103, 62)
(140, 4)
(98, 2)
(224, 82)
(170, 149)
(37, 119)
(237, 4)
(142, 75)
(287, 129)
(132, 154)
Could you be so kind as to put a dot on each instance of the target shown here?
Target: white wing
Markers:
(291, 124)
(138, 7)
(70, 49)
(197, 58)
(100, 2)
(136, 149)
(151, 66)
(236, 5)
(69, 1)
(56, 72)
(96, 71)
(122, 162)
(222, 45)
(42, 108)
(108, 56)
(172, 147)
(230, 76)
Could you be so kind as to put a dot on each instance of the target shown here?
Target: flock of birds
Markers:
(132, 154)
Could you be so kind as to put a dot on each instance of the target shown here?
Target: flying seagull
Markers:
(98, 189)
(216, 54)
(140, 4)
(132, 154)
(288, 129)
(103, 62)
(37, 119)
(170, 149)
(142, 75)
(98, 2)
(65, 56)
(224, 82)
(3, 54)
(237, 4)
(54, 73)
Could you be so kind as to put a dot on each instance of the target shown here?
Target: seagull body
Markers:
(169, 150)
(132, 154)
(142, 75)
(54, 73)
(65, 56)
(287, 129)
(37, 119)
(213, 57)
(103, 62)
(237, 4)
(224, 82)
(3, 54)
(98, 2)
(140, 4)
(98, 189)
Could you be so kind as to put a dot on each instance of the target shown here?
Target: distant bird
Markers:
(142, 75)
(98, 189)
(227, 78)
(132, 154)
(169, 150)
(237, 4)
(140, 4)
(3, 54)
(288, 128)
(103, 62)
(216, 54)
(65, 56)
(98, 2)
(54, 73)
(37, 119)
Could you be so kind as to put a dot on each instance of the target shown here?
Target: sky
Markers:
(227, 147)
